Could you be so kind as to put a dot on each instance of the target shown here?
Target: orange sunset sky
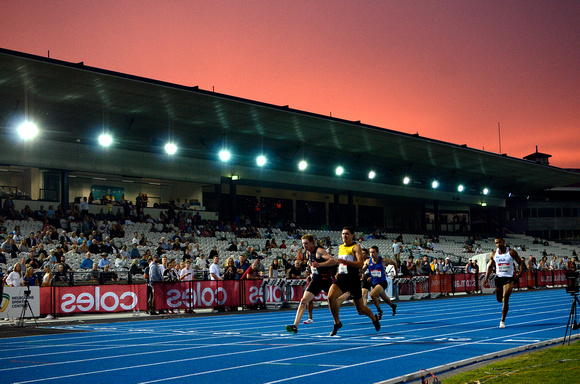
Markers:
(449, 70)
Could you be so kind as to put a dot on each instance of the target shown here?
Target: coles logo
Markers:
(198, 297)
(108, 301)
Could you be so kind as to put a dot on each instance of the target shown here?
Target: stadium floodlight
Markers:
(460, 188)
(483, 204)
(261, 160)
(170, 148)
(302, 165)
(435, 184)
(235, 177)
(27, 130)
(372, 175)
(224, 155)
(339, 170)
(105, 140)
(485, 191)
(406, 180)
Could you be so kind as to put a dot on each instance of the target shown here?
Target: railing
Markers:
(120, 295)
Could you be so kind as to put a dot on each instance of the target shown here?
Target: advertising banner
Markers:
(99, 298)
(14, 299)
(197, 294)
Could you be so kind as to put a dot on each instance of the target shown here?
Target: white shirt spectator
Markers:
(214, 269)
(187, 274)
(201, 264)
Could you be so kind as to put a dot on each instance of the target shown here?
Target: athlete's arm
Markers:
(518, 260)
(489, 267)
(391, 262)
(330, 261)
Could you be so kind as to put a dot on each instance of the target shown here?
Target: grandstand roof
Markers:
(72, 102)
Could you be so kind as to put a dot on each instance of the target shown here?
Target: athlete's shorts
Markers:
(501, 281)
(319, 283)
(365, 283)
(383, 284)
(349, 283)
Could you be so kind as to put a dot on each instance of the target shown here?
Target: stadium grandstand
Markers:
(100, 172)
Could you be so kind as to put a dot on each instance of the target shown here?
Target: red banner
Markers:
(435, 283)
(93, 298)
(560, 277)
(446, 283)
(544, 278)
(197, 294)
(523, 280)
(459, 282)
(295, 292)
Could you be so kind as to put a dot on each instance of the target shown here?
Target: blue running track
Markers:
(255, 348)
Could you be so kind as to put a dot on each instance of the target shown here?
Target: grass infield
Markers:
(557, 365)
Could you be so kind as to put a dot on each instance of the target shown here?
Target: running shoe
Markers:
(377, 324)
(380, 315)
(308, 321)
(292, 328)
(394, 308)
(502, 324)
(335, 329)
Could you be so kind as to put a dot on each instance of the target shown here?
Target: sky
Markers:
(448, 70)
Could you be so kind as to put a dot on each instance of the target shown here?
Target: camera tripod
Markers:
(572, 324)
(20, 321)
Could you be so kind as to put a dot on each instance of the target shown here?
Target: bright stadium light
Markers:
(406, 180)
(460, 188)
(170, 148)
(435, 184)
(485, 191)
(261, 160)
(27, 130)
(105, 140)
(339, 170)
(302, 165)
(372, 175)
(224, 155)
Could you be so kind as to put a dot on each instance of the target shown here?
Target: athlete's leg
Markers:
(306, 299)
(507, 291)
(375, 293)
(363, 309)
(333, 302)
(310, 309)
(365, 295)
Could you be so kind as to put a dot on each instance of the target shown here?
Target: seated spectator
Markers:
(135, 269)
(295, 272)
(425, 266)
(104, 261)
(60, 276)
(33, 262)
(121, 262)
(87, 262)
(252, 273)
(108, 275)
(94, 275)
(201, 263)
(67, 268)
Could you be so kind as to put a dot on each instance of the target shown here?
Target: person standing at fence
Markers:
(323, 267)
(350, 261)
(376, 266)
(503, 260)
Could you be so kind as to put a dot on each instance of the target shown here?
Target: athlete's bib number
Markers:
(314, 270)
(376, 273)
(504, 268)
(342, 268)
